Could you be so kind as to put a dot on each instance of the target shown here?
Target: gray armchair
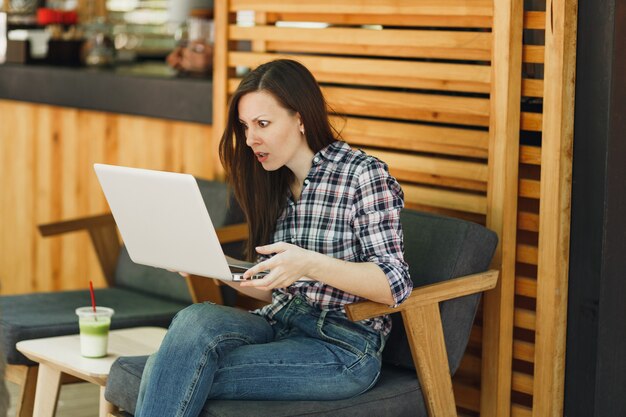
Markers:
(140, 295)
(447, 258)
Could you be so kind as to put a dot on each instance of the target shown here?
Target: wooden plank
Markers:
(525, 319)
(14, 157)
(529, 188)
(498, 305)
(530, 155)
(413, 137)
(384, 73)
(409, 20)
(462, 54)
(526, 286)
(532, 88)
(522, 383)
(388, 38)
(453, 200)
(518, 410)
(443, 167)
(554, 226)
(528, 221)
(535, 20)
(531, 121)
(467, 396)
(409, 106)
(383, 7)
(527, 254)
(524, 351)
(462, 45)
(533, 54)
(412, 176)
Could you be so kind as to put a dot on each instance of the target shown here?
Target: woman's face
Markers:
(272, 132)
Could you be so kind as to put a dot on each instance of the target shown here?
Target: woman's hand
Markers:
(286, 267)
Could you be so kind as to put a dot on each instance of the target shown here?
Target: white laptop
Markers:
(164, 222)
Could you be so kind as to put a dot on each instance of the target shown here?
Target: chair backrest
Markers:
(223, 211)
(439, 248)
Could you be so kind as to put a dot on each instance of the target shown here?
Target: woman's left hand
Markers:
(290, 263)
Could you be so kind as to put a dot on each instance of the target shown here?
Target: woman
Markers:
(325, 221)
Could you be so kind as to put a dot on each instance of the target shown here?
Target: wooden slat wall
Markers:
(435, 144)
(46, 174)
(456, 111)
(429, 114)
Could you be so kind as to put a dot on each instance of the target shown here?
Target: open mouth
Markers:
(261, 156)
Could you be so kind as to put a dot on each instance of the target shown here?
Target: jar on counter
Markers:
(22, 12)
(98, 49)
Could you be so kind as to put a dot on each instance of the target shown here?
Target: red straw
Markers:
(93, 297)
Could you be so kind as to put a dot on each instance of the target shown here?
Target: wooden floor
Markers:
(75, 400)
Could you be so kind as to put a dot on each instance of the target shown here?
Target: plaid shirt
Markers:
(349, 209)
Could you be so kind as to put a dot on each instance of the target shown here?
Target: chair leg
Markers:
(425, 335)
(26, 378)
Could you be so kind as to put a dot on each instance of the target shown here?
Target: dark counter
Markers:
(185, 99)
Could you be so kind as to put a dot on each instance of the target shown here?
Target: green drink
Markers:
(94, 330)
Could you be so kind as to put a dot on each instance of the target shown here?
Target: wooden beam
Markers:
(220, 80)
(554, 207)
(497, 346)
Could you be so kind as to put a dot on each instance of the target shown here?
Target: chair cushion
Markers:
(397, 393)
(439, 248)
(38, 315)
(158, 282)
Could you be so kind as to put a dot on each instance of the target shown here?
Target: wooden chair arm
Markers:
(74, 225)
(207, 289)
(232, 233)
(103, 233)
(428, 294)
(424, 331)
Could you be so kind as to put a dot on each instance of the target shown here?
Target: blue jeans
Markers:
(217, 352)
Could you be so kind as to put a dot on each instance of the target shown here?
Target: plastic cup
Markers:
(94, 330)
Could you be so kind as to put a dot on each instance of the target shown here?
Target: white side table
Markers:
(59, 355)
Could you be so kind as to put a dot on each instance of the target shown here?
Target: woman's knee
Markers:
(206, 323)
(209, 318)
(198, 315)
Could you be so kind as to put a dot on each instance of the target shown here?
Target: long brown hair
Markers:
(262, 194)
